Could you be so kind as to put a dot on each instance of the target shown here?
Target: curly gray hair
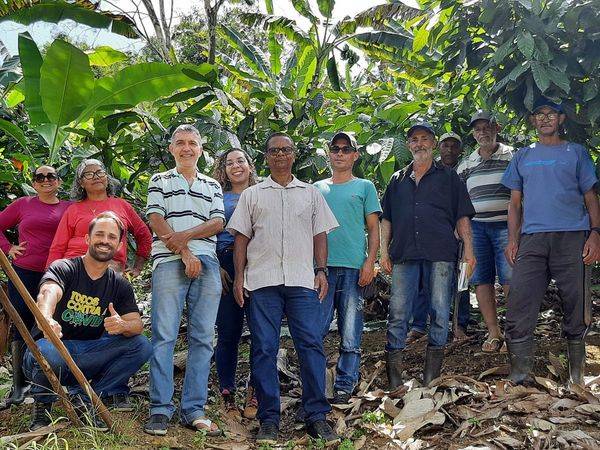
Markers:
(78, 192)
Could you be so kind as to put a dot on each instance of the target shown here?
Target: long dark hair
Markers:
(220, 174)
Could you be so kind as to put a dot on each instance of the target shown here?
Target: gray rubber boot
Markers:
(520, 355)
(576, 354)
(393, 368)
(433, 364)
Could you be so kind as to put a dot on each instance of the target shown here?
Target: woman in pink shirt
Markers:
(36, 219)
(94, 190)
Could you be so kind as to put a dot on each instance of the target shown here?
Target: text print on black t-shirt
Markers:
(84, 303)
(83, 310)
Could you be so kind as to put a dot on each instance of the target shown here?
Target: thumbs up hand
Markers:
(114, 324)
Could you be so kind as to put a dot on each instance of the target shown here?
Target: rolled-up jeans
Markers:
(406, 278)
(171, 290)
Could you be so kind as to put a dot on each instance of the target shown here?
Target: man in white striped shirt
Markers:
(185, 210)
(482, 171)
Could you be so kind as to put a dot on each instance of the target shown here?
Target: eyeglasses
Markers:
(284, 150)
(97, 174)
(40, 177)
(544, 116)
(344, 149)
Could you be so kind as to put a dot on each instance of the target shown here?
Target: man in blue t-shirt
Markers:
(350, 258)
(553, 226)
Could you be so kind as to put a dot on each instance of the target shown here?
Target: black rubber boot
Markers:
(393, 368)
(433, 364)
(20, 387)
(40, 416)
(576, 354)
(520, 355)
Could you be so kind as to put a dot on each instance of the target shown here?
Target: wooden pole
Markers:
(54, 339)
(18, 322)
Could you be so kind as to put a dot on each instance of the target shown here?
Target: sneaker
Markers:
(341, 398)
(251, 406)
(40, 416)
(321, 430)
(119, 403)
(97, 423)
(267, 434)
(157, 425)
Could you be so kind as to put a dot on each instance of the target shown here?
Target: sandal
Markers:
(492, 345)
(207, 425)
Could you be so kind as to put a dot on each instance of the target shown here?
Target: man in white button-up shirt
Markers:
(280, 228)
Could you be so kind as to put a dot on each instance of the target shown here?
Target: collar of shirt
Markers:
(269, 183)
(408, 170)
(502, 150)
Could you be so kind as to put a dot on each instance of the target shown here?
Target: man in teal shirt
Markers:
(351, 256)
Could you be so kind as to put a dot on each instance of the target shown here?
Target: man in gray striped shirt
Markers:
(185, 210)
(482, 171)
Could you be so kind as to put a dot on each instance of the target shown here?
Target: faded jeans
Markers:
(344, 296)
(171, 290)
(406, 278)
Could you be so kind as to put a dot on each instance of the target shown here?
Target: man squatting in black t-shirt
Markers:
(92, 309)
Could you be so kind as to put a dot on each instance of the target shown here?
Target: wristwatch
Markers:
(322, 269)
(596, 229)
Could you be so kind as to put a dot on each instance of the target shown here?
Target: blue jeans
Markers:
(303, 310)
(108, 362)
(489, 241)
(344, 295)
(171, 290)
(230, 324)
(421, 311)
(31, 280)
(406, 278)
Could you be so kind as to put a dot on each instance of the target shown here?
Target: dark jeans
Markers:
(230, 324)
(108, 362)
(344, 296)
(422, 306)
(303, 310)
(31, 280)
(541, 257)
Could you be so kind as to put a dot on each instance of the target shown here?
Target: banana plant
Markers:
(85, 12)
(61, 90)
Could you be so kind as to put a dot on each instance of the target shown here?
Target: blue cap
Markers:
(543, 101)
(420, 125)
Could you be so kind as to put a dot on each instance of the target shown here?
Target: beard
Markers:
(101, 255)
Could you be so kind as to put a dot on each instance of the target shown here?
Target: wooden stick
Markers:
(18, 322)
(54, 339)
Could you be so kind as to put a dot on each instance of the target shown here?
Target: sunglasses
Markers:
(542, 116)
(89, 175)
(346, 150)
(40, 177)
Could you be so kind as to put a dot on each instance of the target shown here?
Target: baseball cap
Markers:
(482, 115)
(349, 136)
(452, 135)
(543, 101)
(420, 125)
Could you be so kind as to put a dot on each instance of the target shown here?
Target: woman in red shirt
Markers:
(94, 190)
(36, 219)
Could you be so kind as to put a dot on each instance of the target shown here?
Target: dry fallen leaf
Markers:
(499, 370)
(541, 424)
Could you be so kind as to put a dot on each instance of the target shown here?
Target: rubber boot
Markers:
(20, 386)
(576, 354)
(393, 368)
(433, 364)
(520, 355)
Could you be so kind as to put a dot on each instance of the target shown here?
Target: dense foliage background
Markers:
(239, 74)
